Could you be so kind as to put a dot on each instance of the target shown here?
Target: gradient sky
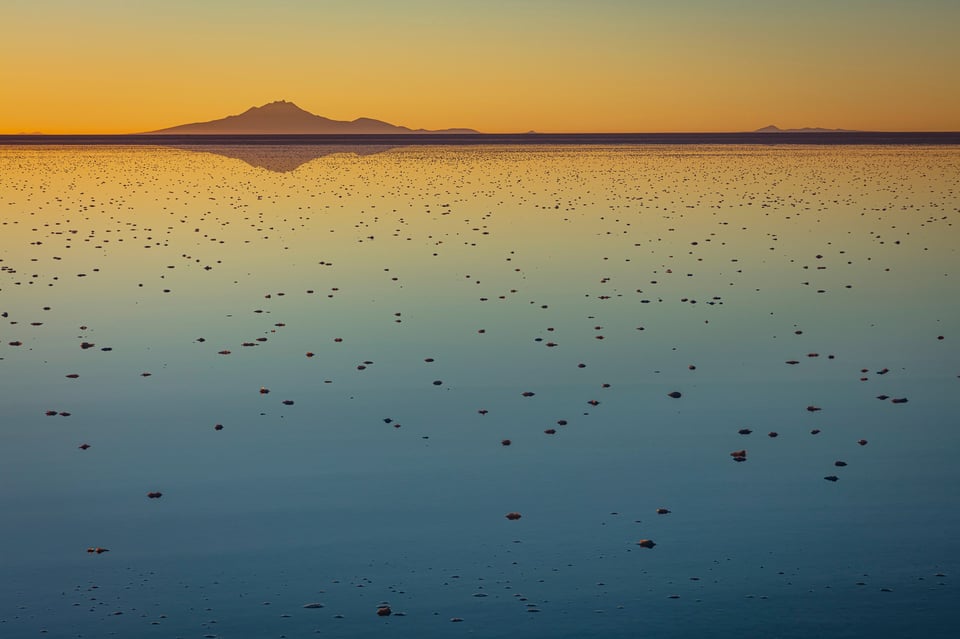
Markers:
(122, 66)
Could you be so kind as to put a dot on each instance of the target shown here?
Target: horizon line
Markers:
(782, 137)
(469, 131)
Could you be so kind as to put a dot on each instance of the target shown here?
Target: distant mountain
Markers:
(775, 129)
(284, 117)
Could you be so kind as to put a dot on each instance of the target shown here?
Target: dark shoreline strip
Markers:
(474, 139)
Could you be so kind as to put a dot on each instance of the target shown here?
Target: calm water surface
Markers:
(408, 309)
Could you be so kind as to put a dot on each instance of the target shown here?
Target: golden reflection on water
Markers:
(562, 215)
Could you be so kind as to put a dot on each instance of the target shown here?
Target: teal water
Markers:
(703, 269)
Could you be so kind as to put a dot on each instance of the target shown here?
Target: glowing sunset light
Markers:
(497, 66)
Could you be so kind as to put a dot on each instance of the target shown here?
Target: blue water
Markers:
(703, 269)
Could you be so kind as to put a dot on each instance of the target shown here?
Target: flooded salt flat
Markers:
(317, 356)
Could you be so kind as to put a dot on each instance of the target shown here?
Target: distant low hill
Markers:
(284, 117)
(809, 129)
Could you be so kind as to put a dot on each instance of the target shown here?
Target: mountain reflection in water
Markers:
(283, 158)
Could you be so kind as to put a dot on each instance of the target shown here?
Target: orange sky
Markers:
(497, 66)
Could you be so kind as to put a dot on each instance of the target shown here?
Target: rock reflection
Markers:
(283, 158)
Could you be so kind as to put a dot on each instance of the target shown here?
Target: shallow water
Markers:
(703, 269)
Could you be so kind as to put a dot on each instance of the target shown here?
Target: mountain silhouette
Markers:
(772, 128)
(282, 117)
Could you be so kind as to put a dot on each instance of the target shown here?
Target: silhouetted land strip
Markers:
(473, 139)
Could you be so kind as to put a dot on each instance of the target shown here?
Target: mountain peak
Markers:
(279, 105)
(773, 128)
(286, 118)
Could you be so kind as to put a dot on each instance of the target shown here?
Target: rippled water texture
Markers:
(408, 310)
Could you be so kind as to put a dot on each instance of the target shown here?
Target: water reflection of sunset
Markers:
(320, 370)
